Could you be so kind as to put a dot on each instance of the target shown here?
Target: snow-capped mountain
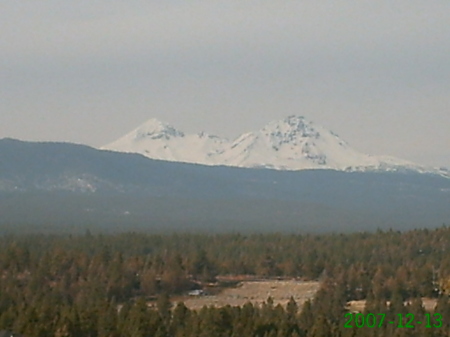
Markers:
(290, 144)
(158, 140)
(295, 144)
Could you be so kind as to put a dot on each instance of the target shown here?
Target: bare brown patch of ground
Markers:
(257, 292)
(358, 306)
(429, 303)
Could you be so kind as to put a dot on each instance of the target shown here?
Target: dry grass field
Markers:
(256, 292)
(358, 306)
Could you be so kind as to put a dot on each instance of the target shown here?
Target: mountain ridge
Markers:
(293, 143)
(53, 184)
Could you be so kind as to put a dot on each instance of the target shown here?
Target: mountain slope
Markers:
(290, 144)
(158, 140)
(296, 144)
(68, 184)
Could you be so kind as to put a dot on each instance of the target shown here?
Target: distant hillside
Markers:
(61, 184)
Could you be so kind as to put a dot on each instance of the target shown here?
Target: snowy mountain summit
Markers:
(158, 140)
(290, 144)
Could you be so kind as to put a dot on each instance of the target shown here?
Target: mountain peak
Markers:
(297, 131)
(155, 129)
(293, 143)
(291, 125)
(295, 120)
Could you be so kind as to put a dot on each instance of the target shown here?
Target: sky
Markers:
(377, 73)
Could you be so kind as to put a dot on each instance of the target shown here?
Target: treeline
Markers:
(126, 265)
(323, 317)
(54, 285)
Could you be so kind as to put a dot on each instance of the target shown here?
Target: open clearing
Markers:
(257, 292)
(358, 306)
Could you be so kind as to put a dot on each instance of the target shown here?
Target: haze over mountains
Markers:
(290, 144)
(54, 185)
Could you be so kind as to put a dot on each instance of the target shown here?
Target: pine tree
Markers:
(164, 305)
(320, 328)
(180, 318)
(306, 318)
(291, 310)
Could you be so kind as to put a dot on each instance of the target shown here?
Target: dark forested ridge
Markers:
(100, 285)
(63, 187)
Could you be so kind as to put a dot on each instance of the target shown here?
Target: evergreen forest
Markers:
(114, 285)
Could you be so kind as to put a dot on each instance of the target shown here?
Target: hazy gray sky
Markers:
(375, 72)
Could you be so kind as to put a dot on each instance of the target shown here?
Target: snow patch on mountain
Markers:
(290, 144)
(158, 140)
